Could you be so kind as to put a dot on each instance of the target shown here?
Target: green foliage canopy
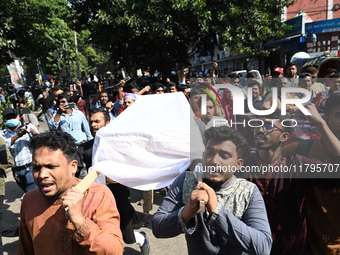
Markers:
(160, 32)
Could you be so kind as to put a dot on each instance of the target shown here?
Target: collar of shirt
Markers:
(280, 160)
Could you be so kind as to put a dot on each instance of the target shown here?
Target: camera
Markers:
(70, 105)
(22, 110)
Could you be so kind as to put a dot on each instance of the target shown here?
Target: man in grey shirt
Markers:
(235, 219)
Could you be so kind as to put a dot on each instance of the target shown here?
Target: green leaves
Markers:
(137, 33)
(170, 24)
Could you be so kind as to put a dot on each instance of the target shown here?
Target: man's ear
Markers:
(239, 163)
(284, 137)
(73, 166)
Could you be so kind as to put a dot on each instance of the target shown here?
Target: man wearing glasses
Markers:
(283, 191)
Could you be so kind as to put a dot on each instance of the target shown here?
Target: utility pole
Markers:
(77, 56)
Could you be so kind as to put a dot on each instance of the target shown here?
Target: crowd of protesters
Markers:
(271, 213)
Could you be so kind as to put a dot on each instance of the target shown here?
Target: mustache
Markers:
(213, 184)
(45, 181)
(260, 136)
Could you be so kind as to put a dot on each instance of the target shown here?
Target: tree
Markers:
(25, 24)
(31, 30)
(41, 31)
(158, 33)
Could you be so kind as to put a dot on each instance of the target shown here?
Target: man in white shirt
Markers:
(17, 138)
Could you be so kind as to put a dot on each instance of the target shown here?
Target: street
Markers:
(11, 213)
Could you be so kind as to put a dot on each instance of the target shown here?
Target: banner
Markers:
(16, 72)
(149, 144)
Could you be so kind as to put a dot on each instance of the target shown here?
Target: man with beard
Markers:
(57, 218)
(283, 191)
(209, 119)
(234, 221)
(99, 118)
(291, 74)
(127, 100)
(101, 100)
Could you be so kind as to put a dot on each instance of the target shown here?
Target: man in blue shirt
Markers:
(17, 138)
(69, 120)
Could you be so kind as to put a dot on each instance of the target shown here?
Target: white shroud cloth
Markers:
(149, 144)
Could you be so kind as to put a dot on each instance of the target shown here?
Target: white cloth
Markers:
(149, 144)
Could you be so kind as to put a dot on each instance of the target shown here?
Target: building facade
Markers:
(315, 30)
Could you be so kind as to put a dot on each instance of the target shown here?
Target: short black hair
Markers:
(182, 87)
(225, 133)
(171, 84)
(195, 92)
(55, 140)
(106, 114)
(254, 83)
(156, 86)
(66, 89)
(235, 75)
(66, 96)
(330, 71)
(335, 75)
(304, 75)
(55, 89)
(251, 75)
(104, 91)
(290, 64)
